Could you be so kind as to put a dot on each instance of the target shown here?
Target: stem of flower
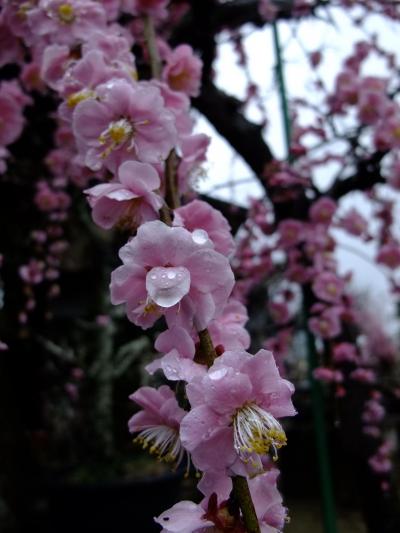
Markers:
(206, 354)
(172, 162)
(151, 42)
(165, 215)
(171, 175)
(242, 495)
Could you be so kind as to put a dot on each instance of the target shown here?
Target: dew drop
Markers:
(166, 286)
(200, 236)
(217, 374)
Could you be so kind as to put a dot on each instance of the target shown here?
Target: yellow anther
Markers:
(117, 133)
(74, 99)
(66, 13)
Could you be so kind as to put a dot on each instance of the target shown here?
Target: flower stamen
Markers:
(66, 13)
(165, 444)
(117, 133)
(256, 431)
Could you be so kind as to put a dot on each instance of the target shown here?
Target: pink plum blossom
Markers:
(372, 106)
(387, 131)
(182, 71)
(111, 8)
(93, 69)
(322, 210)
(328, 287)
(213, 512)
(124, 122)
(268, 10)
(32, 272)
(198, 215)
(380, 462)
(46, 198)
(10, 47)
(31, 79)
(4, 153)
(364, 375)
(66, 21)
(279, 312)
(227, 331)
(15, 17)
(344, 352)
(179, 349)
(389, 255)
(114, 46)
(55, 60)
(193, 150)
(234, 412)
(154, 8)
(268, 502)
(374, 412)
(185, 517)
(328, 375)
(3, 346)
(158, 422)
(327, 325)
(291, 232)
(178, 103)
(354, 223)
(166, 271)
(12, 120)
(130, 200)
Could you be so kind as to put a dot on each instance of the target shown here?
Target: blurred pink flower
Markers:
(182, 71)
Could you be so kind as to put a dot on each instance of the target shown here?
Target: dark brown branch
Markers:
(367, 175)
(223, 111)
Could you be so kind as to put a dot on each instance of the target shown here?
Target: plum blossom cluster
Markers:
(135, 137)
(49, 244)
(351, 341)
(126, 139)
(294, 253)
(271, 9)
(12, 103)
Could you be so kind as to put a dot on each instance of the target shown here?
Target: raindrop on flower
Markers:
(200, 236)
(166, 286)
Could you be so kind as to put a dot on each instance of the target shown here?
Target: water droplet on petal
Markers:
(217, 374)
(200, 236)
(167, 286)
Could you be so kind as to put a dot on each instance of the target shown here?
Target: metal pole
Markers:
(317, 398)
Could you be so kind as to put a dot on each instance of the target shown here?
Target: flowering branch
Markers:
(151, 42)
(242, 494)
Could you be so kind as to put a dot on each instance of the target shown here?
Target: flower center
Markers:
(117, 133)
(332, 289)
(166, 286)
(256, 431)
(66, 13)
(179, 81)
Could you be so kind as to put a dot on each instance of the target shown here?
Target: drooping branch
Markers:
(367, 175)
(223, 111)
